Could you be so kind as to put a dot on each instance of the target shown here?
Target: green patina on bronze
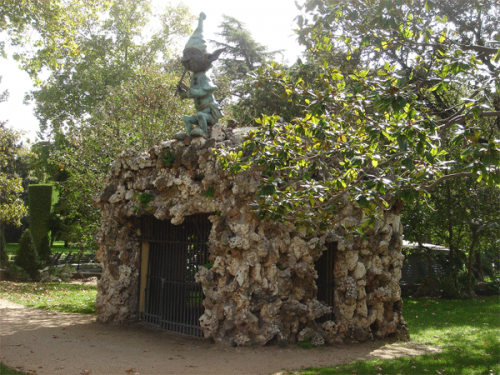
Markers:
(197, 60)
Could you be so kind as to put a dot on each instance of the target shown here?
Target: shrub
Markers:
(44, 251)
(16, 273)
(4, 258)
(27, 257)
(450, 288)
(488, 289)
(453, 285)
(56, 274)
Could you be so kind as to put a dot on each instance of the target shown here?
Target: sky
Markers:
(271, 23)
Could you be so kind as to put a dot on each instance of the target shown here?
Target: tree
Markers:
(111, 50)
(462, 215)
(14, 158)
(27, 257)
(242, 55)
(138, 114)
(12, 207)
(41, 202)
(109, 96)
(4, 257)
(377, 136)
(432, 45)
(48, 28)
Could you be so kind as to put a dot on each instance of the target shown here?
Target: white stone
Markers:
(299, 247)
(360, 271)
(198, 141)
(351, 259)
(383, 246)
(217, 132)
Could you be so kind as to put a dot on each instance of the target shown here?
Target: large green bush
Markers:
(41, 200)
(27, 257)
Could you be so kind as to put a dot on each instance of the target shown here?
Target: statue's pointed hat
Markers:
(196, 40)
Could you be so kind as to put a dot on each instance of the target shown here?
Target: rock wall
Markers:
(261, 286)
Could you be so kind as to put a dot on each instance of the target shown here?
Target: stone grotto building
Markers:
(181, 250)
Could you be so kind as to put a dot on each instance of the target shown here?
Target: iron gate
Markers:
(326, 279)
(173, 299)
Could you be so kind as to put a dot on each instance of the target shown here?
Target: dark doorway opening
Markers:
(326, 279)
(173, 299)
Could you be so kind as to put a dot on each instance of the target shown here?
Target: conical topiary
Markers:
(27, 257)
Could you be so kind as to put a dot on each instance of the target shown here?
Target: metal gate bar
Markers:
(326, 279)
(173, 297)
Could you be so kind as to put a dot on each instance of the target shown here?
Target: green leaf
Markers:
(268, 190)
(408, 164)
(430, 158)
(311, 200)
(402, 143)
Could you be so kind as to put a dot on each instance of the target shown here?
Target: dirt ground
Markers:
(49, 342)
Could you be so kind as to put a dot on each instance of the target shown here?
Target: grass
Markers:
(57, 247)
(11, 249)
(74, 298)
(4, 370)
(468, 331)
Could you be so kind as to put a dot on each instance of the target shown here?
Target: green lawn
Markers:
(66, 297)
(468, 331)
(11, 249)
(57, 247)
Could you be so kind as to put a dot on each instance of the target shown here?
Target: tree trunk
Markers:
(478, 267)
(469, 263)
(450, 229)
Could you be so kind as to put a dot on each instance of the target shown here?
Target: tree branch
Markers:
(465, 47)
(459, 119)
(444, 178)
(481, 49)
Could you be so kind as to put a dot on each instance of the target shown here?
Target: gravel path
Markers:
(50, 342)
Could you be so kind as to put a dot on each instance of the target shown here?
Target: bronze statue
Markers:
(197, 60)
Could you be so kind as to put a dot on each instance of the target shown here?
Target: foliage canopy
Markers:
(242, 56)
(46, 29)
(12, 207)
(111, 95)
(426, 79)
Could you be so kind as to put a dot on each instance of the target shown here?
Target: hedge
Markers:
(41, 201)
